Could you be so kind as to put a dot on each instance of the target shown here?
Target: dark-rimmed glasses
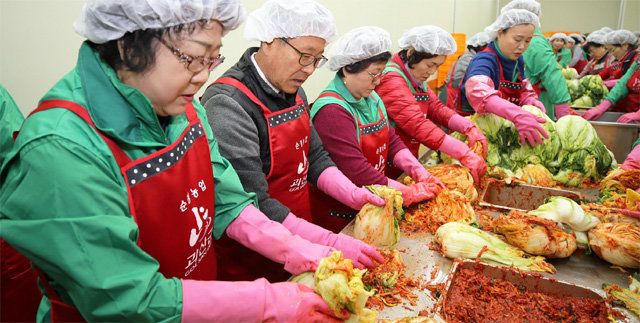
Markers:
(194, 64)
(307, 59)
(377, 76)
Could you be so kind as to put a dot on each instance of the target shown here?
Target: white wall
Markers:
(38, 45)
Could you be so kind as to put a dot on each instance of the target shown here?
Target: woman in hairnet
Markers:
(621, 45)
(115, 187)
(600, 56)
(352, 122)
(495, 81)
(624, 97)
(413, 107)
(578, 58)
(450, 90)
(542, 71)
(563, 55)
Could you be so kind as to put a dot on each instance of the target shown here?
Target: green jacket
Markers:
(365, 109)
(10, 120)
(542, 65)
(620, 90)
(63, 202)
(565, 57)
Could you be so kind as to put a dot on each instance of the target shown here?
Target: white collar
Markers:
(264, 78)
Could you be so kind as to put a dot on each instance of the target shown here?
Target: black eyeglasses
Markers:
(377, 76)
(194, 64)
(307, 59)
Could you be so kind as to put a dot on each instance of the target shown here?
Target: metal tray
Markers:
(532, 283)
(521, 196)
(429, 267)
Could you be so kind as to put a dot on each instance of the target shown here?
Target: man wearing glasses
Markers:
(260, 118)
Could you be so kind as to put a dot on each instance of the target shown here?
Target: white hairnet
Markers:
(429, 39)
(606, 29)
(511, 18)
(559, 35)
(620, 37)
(103, 20)
(479, 39)
(357, 45)
(290, 19)
(529, 5)
(577, 37)
(598, 37)
(571, 40)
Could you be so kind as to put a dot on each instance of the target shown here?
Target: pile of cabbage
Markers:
(572, 153)
(588, 91)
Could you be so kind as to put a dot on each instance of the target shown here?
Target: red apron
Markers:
(327, 212)
(171, 190)
(422, 98)
(20, 294)
(630, 103)
(454, 102)
(507, 90)
(616, 68)
(287, 179)
(599, 65)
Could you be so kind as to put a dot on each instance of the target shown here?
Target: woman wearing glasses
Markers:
(413, 107)
(352, 122)
(115, 187)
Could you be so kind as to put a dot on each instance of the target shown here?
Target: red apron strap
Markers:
(120, 156)
(244, 89)
(190, 111)
(330, 94)
(487, 49)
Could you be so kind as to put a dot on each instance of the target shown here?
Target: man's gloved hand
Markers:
(333, 183)
(362, 254)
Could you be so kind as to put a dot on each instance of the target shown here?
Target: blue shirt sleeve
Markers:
(484, 63)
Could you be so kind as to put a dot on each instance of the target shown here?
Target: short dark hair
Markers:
(139, 51)
(476, 48)
(590, 44)
(415, 58)
(360, 66)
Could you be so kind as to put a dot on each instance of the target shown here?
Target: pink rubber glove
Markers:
(271, 239)
(463, 125)
(534, 102)
(633, 160)
(597, 112)
(362, 254)
(256, 301)
(333, 183)
(610, 83)
(458, 150)
(415, 193)
(410, 165)
(562, 109)
(528, 96)
(527, 123)
(475, 135)
(629, 117)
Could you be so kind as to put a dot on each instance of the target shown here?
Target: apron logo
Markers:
(195, 234)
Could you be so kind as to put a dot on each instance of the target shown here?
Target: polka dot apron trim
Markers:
(160, 163)
(511, 85)
(421, 97)
(285, 117)
(374, 128)
(342, 215)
